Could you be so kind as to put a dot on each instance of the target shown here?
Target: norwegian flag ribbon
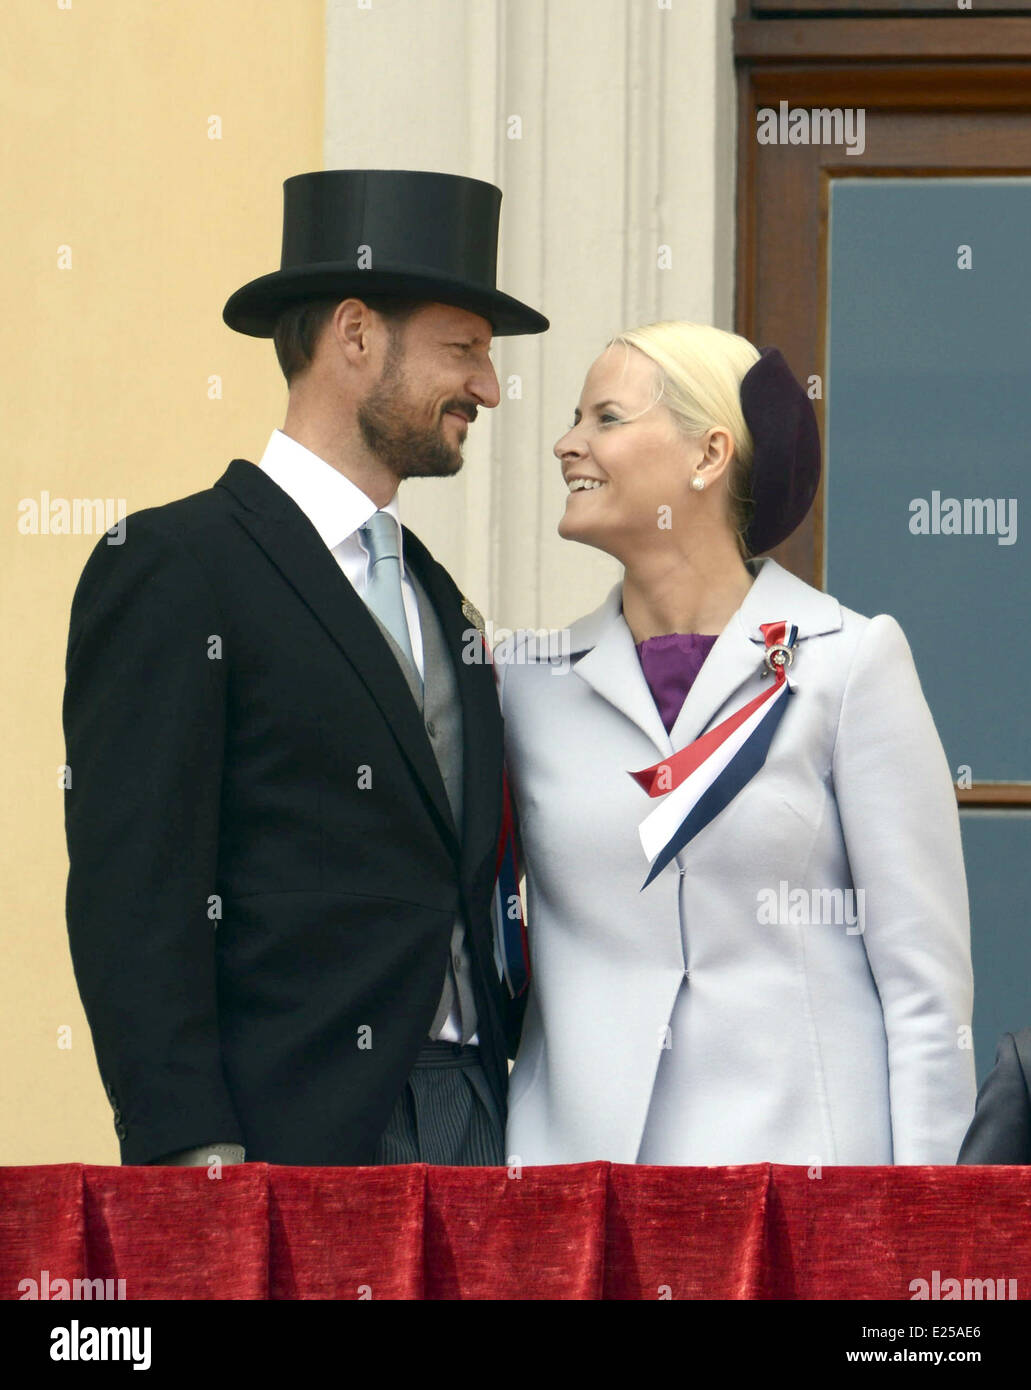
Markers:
(704, 777)
(511, 947)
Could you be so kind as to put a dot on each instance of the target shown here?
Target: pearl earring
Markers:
(697, 483)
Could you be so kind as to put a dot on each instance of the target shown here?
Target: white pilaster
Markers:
(625, 122)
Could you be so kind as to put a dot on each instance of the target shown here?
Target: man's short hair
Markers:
(299, 325)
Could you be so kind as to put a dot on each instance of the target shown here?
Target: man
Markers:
(286, 784)
(1000, 1131)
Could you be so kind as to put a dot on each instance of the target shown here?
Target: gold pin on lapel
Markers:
(473, 615)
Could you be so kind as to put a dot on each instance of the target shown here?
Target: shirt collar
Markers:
(334, 505)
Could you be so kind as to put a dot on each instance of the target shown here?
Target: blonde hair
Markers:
(699, 370)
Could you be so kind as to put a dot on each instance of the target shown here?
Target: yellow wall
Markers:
(105, 369)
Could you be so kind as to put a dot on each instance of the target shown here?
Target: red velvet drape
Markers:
(586, 1231)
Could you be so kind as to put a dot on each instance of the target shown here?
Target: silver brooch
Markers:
(777, 658)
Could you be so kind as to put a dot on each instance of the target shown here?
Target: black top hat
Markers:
(786, 461)
(385, 231)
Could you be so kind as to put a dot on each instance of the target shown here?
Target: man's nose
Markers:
(485, 387)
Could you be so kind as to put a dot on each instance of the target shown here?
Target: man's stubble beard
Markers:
(407, 449)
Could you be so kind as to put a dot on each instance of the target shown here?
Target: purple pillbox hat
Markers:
(786, 462)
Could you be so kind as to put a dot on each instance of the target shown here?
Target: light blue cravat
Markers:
(382, 538)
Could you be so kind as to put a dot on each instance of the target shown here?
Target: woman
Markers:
(793, 985)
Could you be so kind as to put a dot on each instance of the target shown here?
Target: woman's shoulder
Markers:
(868, 657)
(879, 636)
(825, 615)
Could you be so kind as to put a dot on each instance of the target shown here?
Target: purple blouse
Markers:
(670, 664)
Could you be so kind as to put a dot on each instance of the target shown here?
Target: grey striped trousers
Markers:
(445, 1113)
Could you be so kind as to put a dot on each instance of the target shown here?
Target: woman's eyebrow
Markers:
(599, 406)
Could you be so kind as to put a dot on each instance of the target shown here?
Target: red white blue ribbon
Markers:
(703, 778)
(511, 949)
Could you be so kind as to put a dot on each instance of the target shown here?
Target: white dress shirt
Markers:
(337, 508)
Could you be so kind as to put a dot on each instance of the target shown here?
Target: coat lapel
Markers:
(611, 665)
(294, 546)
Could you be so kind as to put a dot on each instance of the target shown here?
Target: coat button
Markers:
(120, 1131)
(431, 728)
(456, 960)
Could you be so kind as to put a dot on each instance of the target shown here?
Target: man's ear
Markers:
(350, 329)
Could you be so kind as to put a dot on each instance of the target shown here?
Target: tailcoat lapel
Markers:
(293, 545)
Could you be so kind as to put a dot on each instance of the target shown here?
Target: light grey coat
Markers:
(681, 1024)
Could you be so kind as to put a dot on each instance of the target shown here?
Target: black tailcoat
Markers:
(1000, 1131)
(264, 870)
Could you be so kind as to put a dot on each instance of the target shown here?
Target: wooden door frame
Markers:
(967, 75)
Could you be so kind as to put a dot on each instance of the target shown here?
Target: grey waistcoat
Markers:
(441, 709)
